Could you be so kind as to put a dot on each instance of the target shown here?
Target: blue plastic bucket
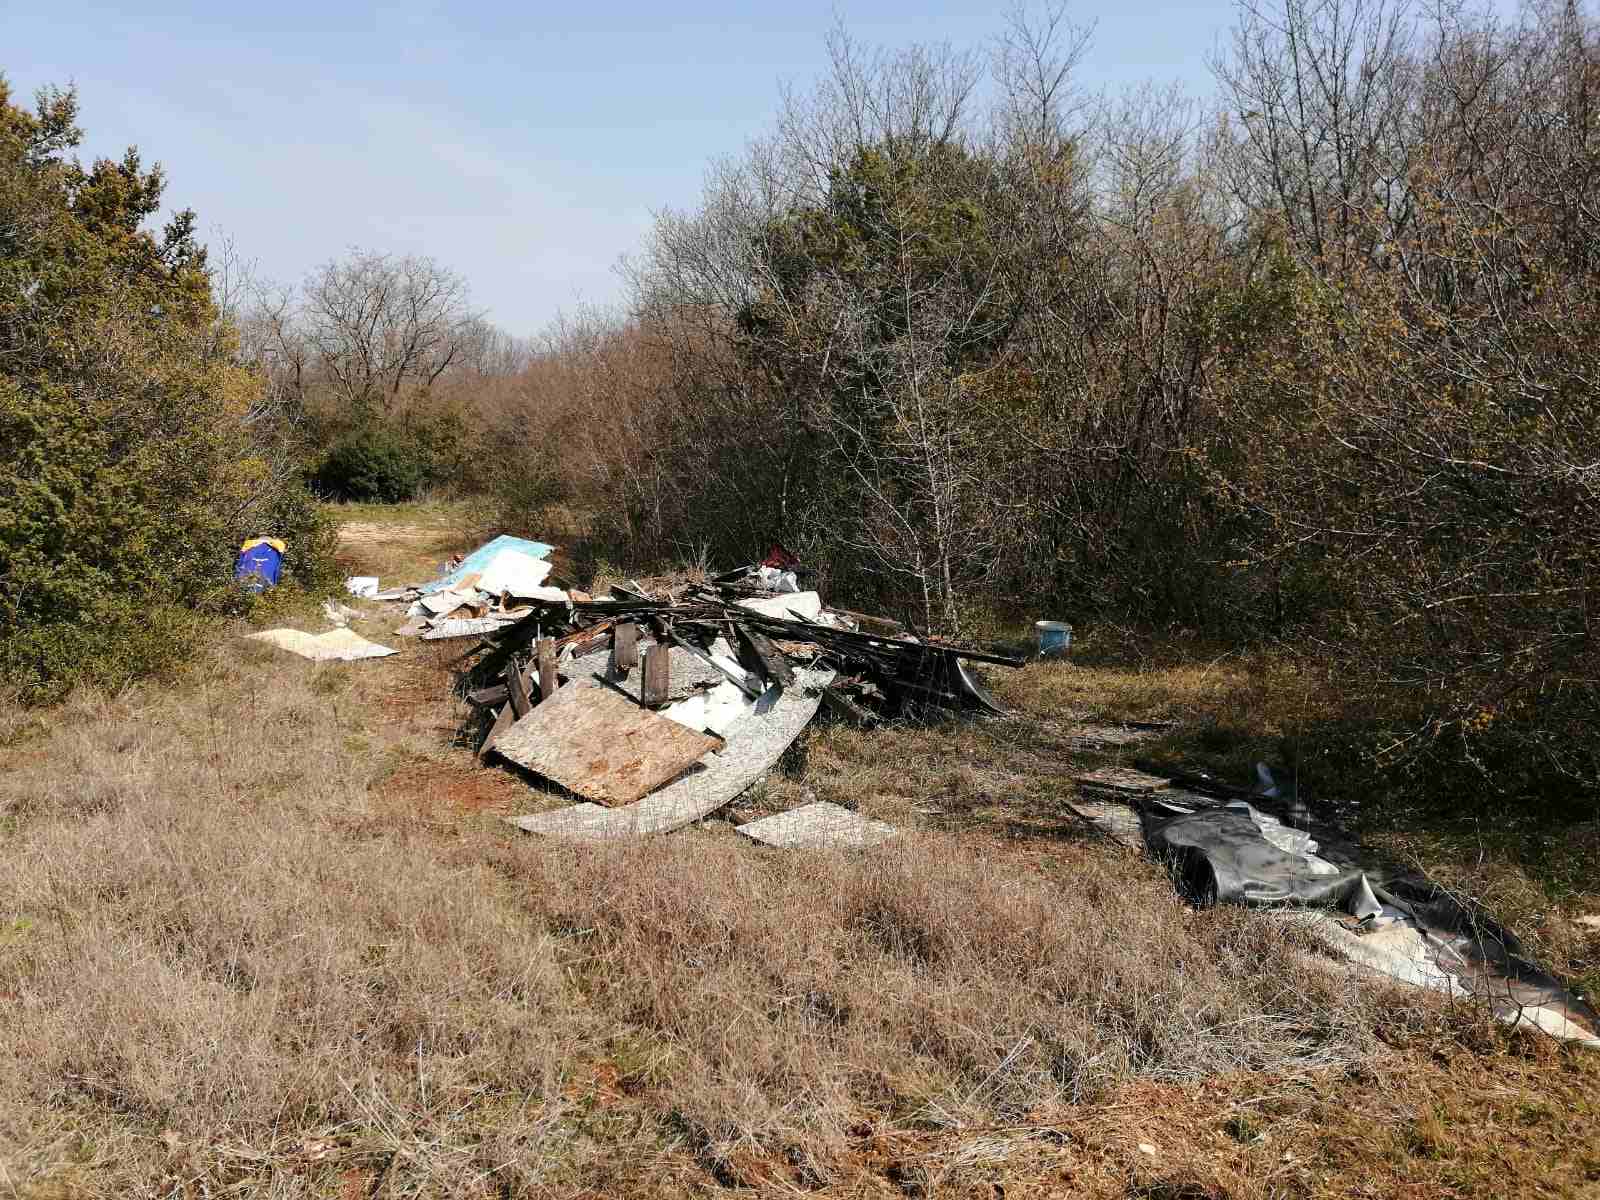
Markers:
(1055, 638)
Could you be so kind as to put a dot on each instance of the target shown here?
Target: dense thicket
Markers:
(1317, 364)
(135, 449)
(387, 369)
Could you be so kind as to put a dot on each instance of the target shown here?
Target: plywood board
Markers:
(1117, 821)
(753, 748)
(600, 745)
(818, 824)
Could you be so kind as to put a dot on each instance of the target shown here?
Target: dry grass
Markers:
(264, 932)
(403, 544)
(220, 938)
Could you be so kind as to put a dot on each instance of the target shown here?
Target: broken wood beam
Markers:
(655, 679)
(757, 652)
(734, 676)
(806, 631)
(842, 706)
(545, 656)
(887, 624)
(521, 702)
(625, 647)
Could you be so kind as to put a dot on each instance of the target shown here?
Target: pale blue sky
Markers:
(524, 145)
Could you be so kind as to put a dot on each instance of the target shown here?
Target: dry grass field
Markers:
(262, 932)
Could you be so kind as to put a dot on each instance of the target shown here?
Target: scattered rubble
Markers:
(656, 709)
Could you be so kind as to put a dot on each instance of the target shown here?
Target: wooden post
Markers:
(625, 647)
(546, 657)
(518, 690)
(657, 675)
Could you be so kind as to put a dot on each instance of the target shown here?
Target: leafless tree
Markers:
(380, 327)
(1322, 91)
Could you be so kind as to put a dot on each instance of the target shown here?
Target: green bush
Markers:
(377, 463)
(129, 471)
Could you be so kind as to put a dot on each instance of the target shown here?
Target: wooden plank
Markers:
(868, 621)
(502, 722)
(597, 743)
(625, 647)
(521, 702)
(490, 696)
(545, 655)
(757, 652)
(656, 676)
(870, 644)
(586, 639)
(848, 709)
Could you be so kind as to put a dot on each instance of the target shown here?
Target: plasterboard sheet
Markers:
(820, 824)
(716, 711)
(551, 595)
(515, 572)
(336, 645)
(753, 748)
(805, 604)
(440, 603)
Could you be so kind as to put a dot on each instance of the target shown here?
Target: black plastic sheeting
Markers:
(1233, 852)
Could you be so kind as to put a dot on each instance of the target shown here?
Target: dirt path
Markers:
(359, 535)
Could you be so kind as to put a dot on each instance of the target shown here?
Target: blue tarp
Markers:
(258, 566)
(483, 555)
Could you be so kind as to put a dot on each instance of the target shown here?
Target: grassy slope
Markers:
(264, 929)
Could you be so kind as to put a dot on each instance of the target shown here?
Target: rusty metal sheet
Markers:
(599, 744)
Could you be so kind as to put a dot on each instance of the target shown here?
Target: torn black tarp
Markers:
(1389, 918)
(1233, 854)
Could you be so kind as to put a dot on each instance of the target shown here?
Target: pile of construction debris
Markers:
(657, 708)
